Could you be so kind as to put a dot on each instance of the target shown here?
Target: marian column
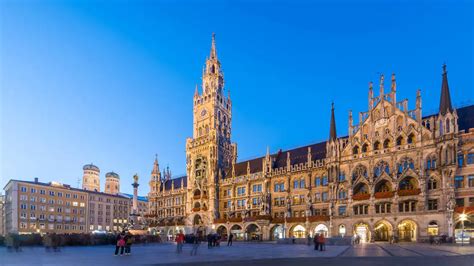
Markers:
(135, 195)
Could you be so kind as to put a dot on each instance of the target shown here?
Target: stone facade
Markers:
(397, 173)
(2, 215)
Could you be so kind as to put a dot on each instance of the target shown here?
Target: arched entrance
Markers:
(363, 231)
(252, 232)
(222, 231)
(407, 231)
(276, 232)
(433, 228)
(237, 231)
(299, 231)
(321, 229)
(382, 231)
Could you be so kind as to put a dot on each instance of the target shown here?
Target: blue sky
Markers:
(111, 82)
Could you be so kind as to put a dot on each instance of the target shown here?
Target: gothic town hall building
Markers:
(398, 173)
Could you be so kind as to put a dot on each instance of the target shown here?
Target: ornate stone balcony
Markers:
(409, 192)
(361, 196)
(384, 194)
(196, 209)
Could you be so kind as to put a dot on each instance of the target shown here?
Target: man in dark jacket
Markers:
(229, 242)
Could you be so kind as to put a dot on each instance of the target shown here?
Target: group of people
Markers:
(319, 242)
(213, 240)
(124, 242)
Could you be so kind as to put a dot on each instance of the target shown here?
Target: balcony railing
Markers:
(196, 209)
(409, 192)
(383, 195)
(361, 196)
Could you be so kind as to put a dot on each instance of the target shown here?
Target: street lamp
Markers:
(462, 218)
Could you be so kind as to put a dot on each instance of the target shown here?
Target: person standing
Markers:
(196, 241)
(179, 241)
(120, 243)
(322, 242)
(308, 240)
(316, 241)
(128, 243)
(229, 242)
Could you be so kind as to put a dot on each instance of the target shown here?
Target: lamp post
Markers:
(462, 218)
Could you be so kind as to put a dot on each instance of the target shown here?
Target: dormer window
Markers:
(377, 146)
(355, 150)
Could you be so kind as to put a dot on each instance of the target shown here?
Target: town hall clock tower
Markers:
(210, 150)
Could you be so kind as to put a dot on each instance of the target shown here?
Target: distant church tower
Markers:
(91, 178)
(210, 150)
(112, 183)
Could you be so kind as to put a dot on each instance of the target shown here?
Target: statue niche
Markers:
(200, 167)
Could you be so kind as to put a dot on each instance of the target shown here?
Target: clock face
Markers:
(203, 112)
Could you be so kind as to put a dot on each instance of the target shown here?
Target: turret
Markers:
(91, 178)
(112, 183)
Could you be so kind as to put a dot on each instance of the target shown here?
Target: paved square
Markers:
(242, 253)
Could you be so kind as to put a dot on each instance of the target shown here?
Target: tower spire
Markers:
(445, 101)
(332, 127)
(196, 91)
(156, 167)
(213, 54)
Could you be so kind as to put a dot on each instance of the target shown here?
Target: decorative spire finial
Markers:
(382, 78)
(332, 126)
(445, 101)
(213, 47)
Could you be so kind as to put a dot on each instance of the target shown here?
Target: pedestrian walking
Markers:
(293, 239)
(322, 242)
(209, 240)
(229, 242)
(308, 240)
(316, 241)
(196, 241)
(120, 244)
(179, 242)
(128, 243)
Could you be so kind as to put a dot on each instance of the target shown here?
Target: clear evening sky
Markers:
(112, 82)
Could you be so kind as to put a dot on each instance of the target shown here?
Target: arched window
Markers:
(399, 141)
(386, 144)
(448, 128)
(405, 163)
(361, 188)
(411, 138)
(431, 162)
(381, 167)
(200, 132)
(355, 150)
(441, 130)
(408, 183)
(382, 186)
(359, 171)
(364, 148)
(432, 183)
(377, 145)
(342, 194)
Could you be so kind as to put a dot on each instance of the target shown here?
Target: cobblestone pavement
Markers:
(248, 253)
